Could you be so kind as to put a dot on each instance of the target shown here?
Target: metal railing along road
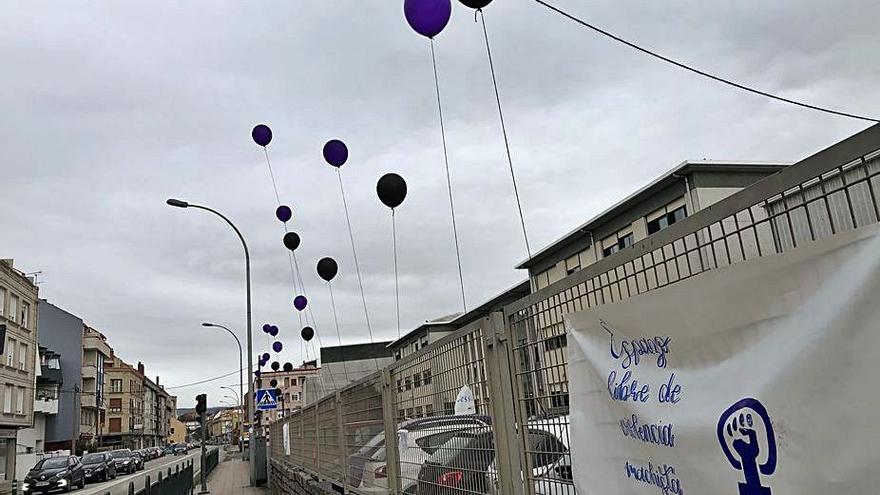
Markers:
(395, 431)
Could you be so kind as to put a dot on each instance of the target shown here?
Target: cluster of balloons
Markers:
(430, 17)
(391, 188)
(270, 329)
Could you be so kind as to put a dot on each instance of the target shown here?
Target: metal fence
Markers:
(514, 362)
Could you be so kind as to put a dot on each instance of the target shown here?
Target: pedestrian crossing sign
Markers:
(266, 399)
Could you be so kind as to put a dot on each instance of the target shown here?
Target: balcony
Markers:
(95, 343)
(88, 400)
(46, 406)
(90, 371)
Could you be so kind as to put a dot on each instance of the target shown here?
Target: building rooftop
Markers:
(641, 194)
(354, 352)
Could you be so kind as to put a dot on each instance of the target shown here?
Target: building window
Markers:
(556, 342)
(667, 219)
(622, 243)
(409, 412)
(116, 405)
(397, 356)
(416, 345)
(426, 377)
(429, 410)
(116, 386)
(7, 398)
(115, 425)
(13, 306)
(287, 381)
(399, 386)
(449, 408)
(417, 380)
(19, 402)
(407, 383)
(2, 302)
(25, 315)
(22, 356)
(559, 399)
(400, 413)
(418, 411)
(10, 351)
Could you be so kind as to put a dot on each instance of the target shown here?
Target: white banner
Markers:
(755, 379)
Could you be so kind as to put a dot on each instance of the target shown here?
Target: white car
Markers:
(416, 442)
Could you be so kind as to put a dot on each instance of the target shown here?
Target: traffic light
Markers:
(201, 404)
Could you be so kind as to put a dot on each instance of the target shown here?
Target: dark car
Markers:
(160, 451)
(180, 448)
(358, 460)
(137, 457)
(54, 473)
(98, 466)
(458, 466)
(124, 461)
(168, 450)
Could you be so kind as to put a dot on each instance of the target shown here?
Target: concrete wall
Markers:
(62, 332)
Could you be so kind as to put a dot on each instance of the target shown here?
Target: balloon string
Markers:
(357, 267)
(338, 334)
(448, 177)
(522, 220)
(396, 282)
(294, 266)
(272, 175)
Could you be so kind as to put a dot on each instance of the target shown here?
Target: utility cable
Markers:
(698, 71)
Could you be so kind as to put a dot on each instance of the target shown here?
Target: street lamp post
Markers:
(247, 260)
(240, 359)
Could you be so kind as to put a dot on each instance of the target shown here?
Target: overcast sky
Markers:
(109, 108)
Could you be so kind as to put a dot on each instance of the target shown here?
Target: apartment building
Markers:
(426, 389)
(176, 431)
(32, 441)
(291, 383)
(224, 426)
(95, 352)
(138, 409)
(62, 332)
(672, 197)
(18, 336)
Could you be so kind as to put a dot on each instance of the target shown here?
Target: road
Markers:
(119, 486)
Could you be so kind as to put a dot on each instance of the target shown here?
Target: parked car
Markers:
(466, 462)
(124, 461)
(367, 467)
(138, 459)
(168, 450)
(160, 451)
(180, 448)
(54, 473)
(98, 466)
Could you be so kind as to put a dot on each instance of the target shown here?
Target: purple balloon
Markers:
(266, 356)
(427, 17)
(283, 213)
(266, 328)
(257, 373)
(335, 153)
(273, 331)
(300, 302)
(277, 347)
(262, 135)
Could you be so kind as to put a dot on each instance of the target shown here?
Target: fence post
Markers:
(318, 442)
(340, 425)
(392, 457)
(504, 421)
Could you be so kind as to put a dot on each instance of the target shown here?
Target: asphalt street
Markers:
(119, 486)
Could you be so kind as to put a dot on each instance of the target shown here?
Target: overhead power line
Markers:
(698, 71)
(203, 381)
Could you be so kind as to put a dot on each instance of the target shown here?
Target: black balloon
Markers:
(475, 4)
(391, 189)
(275, 365)
(307, 333)
(327, 268)
(273, 383)
(291, 240)
(288, 367)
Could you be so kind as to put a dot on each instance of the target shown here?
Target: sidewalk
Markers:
(230, 477)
